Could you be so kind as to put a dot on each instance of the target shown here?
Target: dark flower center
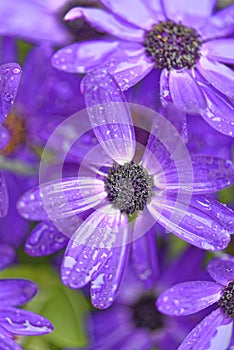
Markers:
(129, 187)
(172, 45)
(226, 302)
(17, 131)
(146, 315)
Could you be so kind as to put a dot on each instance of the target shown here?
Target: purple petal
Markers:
(45, 239)
(5, 136)
(138, 339)
(22, 322)
(144, 256)
(222, 269)
(210, 174)
(139, 14)
(219, 25)
(106, 282)
(8, 50)
(61, 199)
(90, 246)
(15, 292)
(165, 94)
(218, 75)
(10, 74)
(212, 333)
(191, 223)
(219, 50)
(4, 200)
(109, 116)
(188, 298)
(185, 92)
(107, 22)
(6, 343)
(7, 255)
(12, 19)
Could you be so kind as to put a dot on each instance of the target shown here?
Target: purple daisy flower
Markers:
(188, 43)
(190, 297)
(13, 321)
(98, 249)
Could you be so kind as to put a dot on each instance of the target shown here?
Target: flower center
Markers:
(146, 315)
(129, 187)
(226, 302)
(17, 132)
(172, 45)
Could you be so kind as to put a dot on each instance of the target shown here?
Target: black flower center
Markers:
(146, 315)
(226, 302)
(129, 187)
(172, 45)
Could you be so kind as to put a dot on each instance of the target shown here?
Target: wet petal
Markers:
(107, 22)
(10, 74)
(106, 282)
(219, 25)
(188, 298)
(7, 255)
(22, 322)
(189, 222)
(45, 239)
(139, 14)
(180, 9)
(90, 246)
(165, 94)
(218, 75)
(219, 50)
(222, 269)
(185, 92)
(15, 292)
(212, 333)
(109, 116)
(61, 199)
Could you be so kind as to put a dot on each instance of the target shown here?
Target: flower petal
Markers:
(185, 92)
(188, 297)
(144, 255)
(4, 199)
(219, 50)
(8, 50)
(15, 292)
(91, 244)
(210, 174)
(10, 74)
(222, 269)
(61, 199)
(106, 282)
(212, 333)
(109, 115)
(6, 343)
(138, 14)
(7, 255)
(106, 22)
(218, 75)
(45, 239)
(189, 222)
(22, 322)
(220, 25)
(165, 94)
(138, 339)
(5, 136)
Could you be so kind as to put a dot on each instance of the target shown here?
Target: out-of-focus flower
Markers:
(188, 43)
(14, 321)
(190, 297)
(148, 188)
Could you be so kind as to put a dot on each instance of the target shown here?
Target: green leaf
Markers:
(67, 309)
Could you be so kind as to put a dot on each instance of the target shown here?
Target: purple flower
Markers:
(120, 184)
(14, 321)
(188, 43)
(190, 297)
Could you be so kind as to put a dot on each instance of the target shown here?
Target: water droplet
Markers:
(8, 97)
(16, 71)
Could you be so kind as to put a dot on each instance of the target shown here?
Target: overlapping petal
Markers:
(220, 50)
(221, 270)
(7, 255)
(15, 292)
(188, 297)
(7, 343)
(109, 116)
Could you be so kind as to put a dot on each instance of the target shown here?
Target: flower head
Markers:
(188, 43)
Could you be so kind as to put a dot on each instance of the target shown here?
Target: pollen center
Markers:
(226, 302)
(129, 187)
(146, 315)
(172, 45)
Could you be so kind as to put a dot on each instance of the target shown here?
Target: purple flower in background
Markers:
(98, 249)
(13, 321)
(190, 297)
(188, 43)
